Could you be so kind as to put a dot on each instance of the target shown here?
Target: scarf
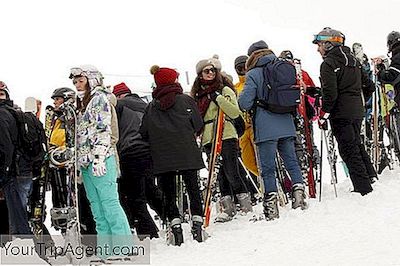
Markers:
(166, 95)
(202, 98)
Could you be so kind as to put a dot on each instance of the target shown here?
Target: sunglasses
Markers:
(209, 70)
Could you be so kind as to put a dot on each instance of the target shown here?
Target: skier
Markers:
(58, 174)
(170, 124)
(246, 141)
(17, 215)
(97, 159)
(135, 161)
(391, 75)
(342, 82)
(211, 90)
(273, 132)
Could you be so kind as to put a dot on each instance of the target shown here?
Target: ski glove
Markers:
(213, 96)
(99, 166)
(323, 120)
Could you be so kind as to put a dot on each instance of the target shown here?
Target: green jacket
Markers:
(227, 101)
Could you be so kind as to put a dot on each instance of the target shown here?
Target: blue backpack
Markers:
(280, 79)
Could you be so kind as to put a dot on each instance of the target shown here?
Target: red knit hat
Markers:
(120, 89)
(163, 76)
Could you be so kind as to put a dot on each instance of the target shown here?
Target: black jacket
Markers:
(392, 74)
(8, 141)
(130, 111)
(342, 82)
(171, 134)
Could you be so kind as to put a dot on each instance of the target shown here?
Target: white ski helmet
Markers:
(95, 78)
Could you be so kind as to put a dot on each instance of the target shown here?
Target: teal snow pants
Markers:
(113, 231)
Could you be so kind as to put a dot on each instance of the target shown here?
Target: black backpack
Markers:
(283, 96)
(31, 136)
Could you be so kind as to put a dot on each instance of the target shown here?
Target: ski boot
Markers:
(270, 205)
(228, 210)
(175, 235)
(245, 202)
(298, 197)
(197, 229)
(383, 163)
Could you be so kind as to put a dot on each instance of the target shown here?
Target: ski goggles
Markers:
(76, 72)
(324, 38)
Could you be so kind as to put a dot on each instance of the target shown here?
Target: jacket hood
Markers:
(343, 55)
(4, 102)
(265, 60)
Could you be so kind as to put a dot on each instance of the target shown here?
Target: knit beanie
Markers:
(257, 46)
(213, 61)
(120, 89)
(240, 60)
(163, 76)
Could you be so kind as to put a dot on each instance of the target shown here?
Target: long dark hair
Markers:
(223, 81)
(81, 105)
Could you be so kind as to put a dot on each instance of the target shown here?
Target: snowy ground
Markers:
(347, 230)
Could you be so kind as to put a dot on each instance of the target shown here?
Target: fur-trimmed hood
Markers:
(253, 59)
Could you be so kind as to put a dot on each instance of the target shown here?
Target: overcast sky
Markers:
(41, 40)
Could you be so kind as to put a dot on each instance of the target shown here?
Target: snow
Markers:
(347, 230)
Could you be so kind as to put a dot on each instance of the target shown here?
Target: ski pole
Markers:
(249, 176)
(320, 167)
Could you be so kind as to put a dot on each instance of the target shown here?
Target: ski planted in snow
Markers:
(214, 163)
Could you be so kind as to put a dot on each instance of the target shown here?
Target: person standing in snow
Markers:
(97, 158)
(246, 141)
(211, 90)
(343, 82)
(273, 132)
(17, 215)
(135, 161)
(170, 124)
(58, 175)
(391, 75)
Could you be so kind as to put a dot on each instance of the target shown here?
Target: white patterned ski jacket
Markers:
(94, 129)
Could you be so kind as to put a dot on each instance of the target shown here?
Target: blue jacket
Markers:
(267, 125)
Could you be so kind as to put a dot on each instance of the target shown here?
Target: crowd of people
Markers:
(129, 153)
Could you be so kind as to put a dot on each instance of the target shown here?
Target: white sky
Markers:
(41, 40)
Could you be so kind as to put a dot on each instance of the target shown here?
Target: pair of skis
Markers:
(306, 127)
(214, 163)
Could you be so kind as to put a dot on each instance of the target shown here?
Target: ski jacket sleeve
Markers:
(227, 101)
(307, 79)
(196, 119)
(144, 126)
(100, 134)
(6, 147)
(249, 93)
(329, 85)
(392, 73)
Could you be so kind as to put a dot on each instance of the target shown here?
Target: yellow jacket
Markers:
(246, 141)
(57, 136)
